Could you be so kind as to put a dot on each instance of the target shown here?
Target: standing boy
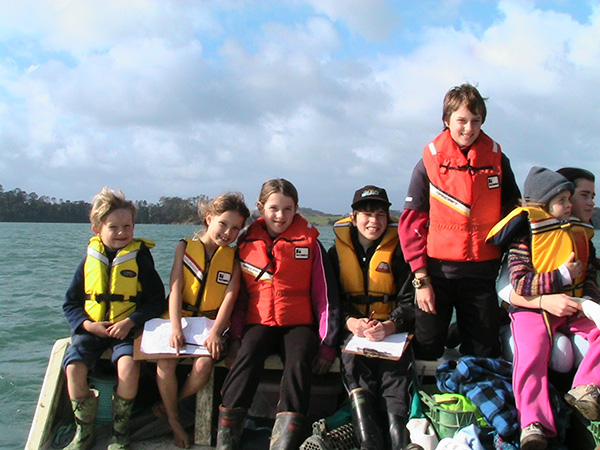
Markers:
(461, 187)
(115, 288)
(377, 300)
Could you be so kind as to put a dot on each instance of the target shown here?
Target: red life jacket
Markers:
(464, 198)
(277, 273)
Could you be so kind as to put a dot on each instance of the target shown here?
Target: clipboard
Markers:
(155, 337)
(391, 347)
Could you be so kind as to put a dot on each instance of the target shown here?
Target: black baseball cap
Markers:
(370, 193)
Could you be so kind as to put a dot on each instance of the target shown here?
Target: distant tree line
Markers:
(19, 206)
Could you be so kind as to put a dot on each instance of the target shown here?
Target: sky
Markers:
(182, 98)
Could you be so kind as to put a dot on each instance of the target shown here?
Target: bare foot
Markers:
(158, 409)
(180, 436)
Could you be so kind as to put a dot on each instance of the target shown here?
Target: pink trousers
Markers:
(532, 356)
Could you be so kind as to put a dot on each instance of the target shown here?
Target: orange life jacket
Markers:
(277, 273)
(464, 198)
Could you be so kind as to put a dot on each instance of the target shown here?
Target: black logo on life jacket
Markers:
(223, 277)
(493, 182)
(301, 253)
(128, 273)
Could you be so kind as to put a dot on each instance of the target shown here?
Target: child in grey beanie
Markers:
(542, 184)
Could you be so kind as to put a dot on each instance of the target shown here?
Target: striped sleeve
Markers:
(523, 276)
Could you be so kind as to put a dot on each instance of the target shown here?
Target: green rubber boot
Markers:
(119, 439)
(85, 414)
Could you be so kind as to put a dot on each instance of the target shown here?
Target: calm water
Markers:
(33, 281)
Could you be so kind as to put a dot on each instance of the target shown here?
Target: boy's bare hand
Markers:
(358, 326)
(121, 329)
(379, 330)
(426, 299)
(97, 328)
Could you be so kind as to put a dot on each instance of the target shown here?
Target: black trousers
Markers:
(298, 347)
(477, 318)
(385, 378)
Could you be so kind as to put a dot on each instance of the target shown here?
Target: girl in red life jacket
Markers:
(204, 282)
(288, 305)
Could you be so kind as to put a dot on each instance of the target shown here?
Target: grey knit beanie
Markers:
(542, 184)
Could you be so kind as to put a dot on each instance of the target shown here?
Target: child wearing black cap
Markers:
(549, 253)
(377, 300)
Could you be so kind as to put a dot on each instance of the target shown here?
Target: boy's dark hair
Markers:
(459, 95)
(573, 174)
(371, 206)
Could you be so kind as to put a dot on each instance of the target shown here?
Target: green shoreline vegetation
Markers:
(19, 206)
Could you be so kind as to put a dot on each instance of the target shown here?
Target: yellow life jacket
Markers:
(205, 282)
(553, 240)
(373, 294)
(112, 288)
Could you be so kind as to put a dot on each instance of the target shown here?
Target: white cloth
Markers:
(422, 433)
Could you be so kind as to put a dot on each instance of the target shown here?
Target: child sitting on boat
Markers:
(288, 304)
(115, 289)
(205, 280)
(549, 254)
(376, 295)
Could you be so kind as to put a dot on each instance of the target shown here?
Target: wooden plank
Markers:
(50, 393)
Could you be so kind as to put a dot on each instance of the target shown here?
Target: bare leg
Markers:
(198, 377)
(167, 385)
(77, 384)
(128, 373)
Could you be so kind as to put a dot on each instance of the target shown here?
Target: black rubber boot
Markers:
(364, 419)
(398, 434)
(231, 425)
(287, 431)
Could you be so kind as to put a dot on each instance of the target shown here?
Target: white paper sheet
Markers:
(157, 332)
(391, 346)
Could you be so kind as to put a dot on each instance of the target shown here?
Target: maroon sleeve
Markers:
(412, 232)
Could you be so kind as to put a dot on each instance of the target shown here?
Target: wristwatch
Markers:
(418, 283)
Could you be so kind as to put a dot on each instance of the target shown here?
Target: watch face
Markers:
(416, 283)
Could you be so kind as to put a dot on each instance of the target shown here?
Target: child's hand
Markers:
(426, 299)
(97, 328)
(379, 330)
(177, 340)
(214, 344)
(121, 329)
(575, 266)
(358, 326)
(321, 365)
(559, 305)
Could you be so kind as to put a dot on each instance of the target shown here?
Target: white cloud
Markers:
(198, 102)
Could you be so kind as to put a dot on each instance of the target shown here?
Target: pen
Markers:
(371, 317)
